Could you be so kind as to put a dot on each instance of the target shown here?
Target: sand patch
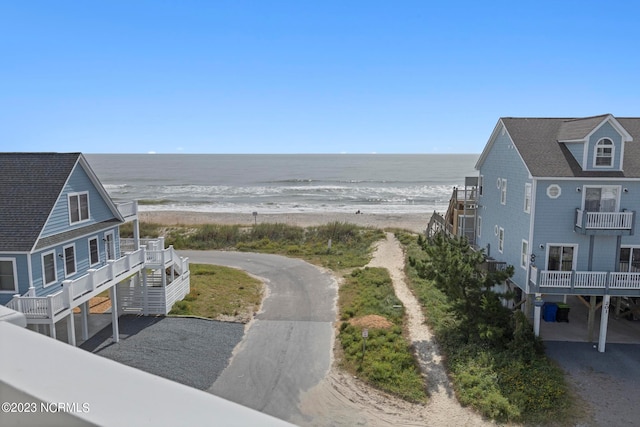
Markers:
(372, 321)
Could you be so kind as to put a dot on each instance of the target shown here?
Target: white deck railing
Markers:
(604, 220)
(128, 209)
(585, 279)
(77, 291)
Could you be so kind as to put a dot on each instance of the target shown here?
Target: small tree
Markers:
(455, 269)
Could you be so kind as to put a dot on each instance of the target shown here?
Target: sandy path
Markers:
(341, 400)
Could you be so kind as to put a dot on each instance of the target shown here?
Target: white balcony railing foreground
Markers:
(604, 220)
(585, 280)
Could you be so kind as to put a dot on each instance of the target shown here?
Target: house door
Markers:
(629, 260)
(560, 258)
(109, 246)
(601, 199)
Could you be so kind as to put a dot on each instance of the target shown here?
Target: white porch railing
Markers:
(128, 209)
(604, 220)
(77, 291)
(585, 280)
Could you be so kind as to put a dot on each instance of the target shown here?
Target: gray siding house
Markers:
(558, 199)
(60, 246)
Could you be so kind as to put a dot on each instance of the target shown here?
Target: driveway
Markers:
(287, 347)
(607, 381)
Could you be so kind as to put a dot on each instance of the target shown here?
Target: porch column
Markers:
(52, 329)
(604, 321)
(114, 313)
(537, 307)
(591, 319)
(84, 311)
(136, 233)
(71, 329)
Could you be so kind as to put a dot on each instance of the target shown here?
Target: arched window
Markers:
(604, 153)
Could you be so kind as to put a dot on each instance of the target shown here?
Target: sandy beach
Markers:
(412, 222)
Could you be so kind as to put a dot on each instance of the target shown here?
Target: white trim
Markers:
(46, 284)
(97, 249)
(481, 185)
(612, 157)
(501, 241)
(16, 288)
(527, 189)
(495, 229)
(479, 226)
(499, 183)
(64, 259)
(81, 219)
(524, 254)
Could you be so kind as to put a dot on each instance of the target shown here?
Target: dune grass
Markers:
(386, 361)
(220, 291)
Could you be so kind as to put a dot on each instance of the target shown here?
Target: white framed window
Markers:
(503, 192)
(49, 273)
(602, 198)
(78, 207)
(480, 182)
(8, 276)
(499, 183)
(501, 240)
(479, 226)
(69, 260)
(527, 198)
(94, 251)
(629, 261)
(524, 254)
(561, 256)
(603, 153)
(554, 191)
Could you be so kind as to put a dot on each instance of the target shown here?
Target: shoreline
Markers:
(414, 222)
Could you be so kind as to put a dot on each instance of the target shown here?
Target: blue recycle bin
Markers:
(549, 311)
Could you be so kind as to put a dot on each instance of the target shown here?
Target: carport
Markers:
(619, 329)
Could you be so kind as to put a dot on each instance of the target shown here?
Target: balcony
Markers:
(605, 223)
(585, 282)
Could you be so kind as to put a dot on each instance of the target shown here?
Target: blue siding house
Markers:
(558, 199)
(60, 246)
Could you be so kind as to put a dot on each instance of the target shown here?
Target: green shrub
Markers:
(508, 379)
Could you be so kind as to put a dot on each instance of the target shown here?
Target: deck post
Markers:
(71, 329)
(84, 311)
(591, 318)
(604, 322)
(114, 313)
(537, 307)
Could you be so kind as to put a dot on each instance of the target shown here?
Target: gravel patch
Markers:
(607, 381)
(190, 351)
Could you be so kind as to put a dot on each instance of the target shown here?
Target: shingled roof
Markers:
(30, 184)
(539, 142)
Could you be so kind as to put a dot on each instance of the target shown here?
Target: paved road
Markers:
(287, 348)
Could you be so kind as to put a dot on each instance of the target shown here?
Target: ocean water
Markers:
(277, 183)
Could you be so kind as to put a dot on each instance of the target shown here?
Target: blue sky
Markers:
(305, 76)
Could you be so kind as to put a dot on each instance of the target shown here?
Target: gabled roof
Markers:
(539, 141)
(30, 184)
